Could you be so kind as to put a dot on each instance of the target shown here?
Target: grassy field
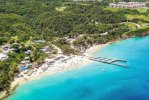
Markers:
(141, 17)
(143, 10)
(143, 25)
(112, 9)
(132, 26)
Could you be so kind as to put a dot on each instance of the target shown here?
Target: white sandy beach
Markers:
(72, 62)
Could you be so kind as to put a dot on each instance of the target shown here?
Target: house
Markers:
(49, 61)
(3, 56)
(106, 33)
(45, 49)
(24, 62)
(26, 58)
(39, 41)
(6, 49)
(28, 52)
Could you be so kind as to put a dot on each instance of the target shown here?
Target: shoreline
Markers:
(70, 65)
(89, 52)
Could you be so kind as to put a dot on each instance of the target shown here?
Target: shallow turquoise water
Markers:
(91, 83)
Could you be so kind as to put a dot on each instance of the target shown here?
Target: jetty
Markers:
(109, 61)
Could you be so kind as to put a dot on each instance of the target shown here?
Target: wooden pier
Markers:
(109, 61)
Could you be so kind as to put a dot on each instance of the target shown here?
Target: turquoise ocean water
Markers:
(92, 83)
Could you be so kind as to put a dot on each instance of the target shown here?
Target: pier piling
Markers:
(109, 61)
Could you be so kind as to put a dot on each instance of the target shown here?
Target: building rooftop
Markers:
(40, 41)
(128, 4)
(3, 56)
(46, 49)
(28, 51)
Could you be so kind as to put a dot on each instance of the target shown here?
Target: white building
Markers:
(127, 5)
(28, 52)
(39, 41)
(3, 56)
(46, 49)
(106, 33)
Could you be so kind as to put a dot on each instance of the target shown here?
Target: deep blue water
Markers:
(92, 83)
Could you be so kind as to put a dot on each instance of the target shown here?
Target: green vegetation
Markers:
(143, 10)
(8, 69)
(113, 9)
(137, 17)
(132, 26)
(139, 32)
(139, 10)
(57, 22)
